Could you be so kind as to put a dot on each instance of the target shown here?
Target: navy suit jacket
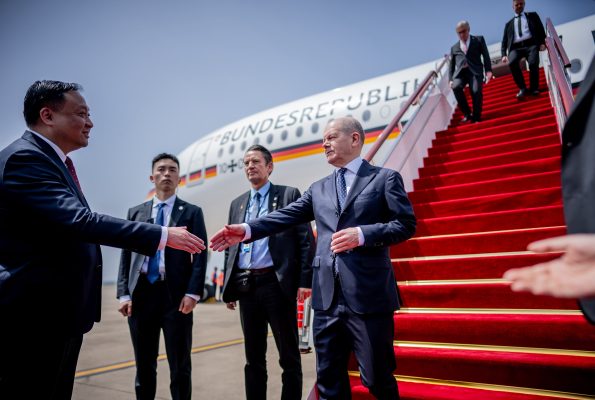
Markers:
(291, 250)
(378, 204)
(49, 241)
(185, 273)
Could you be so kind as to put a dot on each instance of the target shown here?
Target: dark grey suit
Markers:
(272, 298)
(578, 168)
(354, 310)
(155, 306)
(469, 69)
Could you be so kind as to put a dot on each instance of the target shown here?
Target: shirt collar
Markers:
(169, 202)
(354, 165)
(263, 190)
(52, 145)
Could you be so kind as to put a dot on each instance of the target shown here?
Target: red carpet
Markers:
(485, 191)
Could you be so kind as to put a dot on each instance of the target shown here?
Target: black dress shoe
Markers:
(467, 118)
(475, 120)
(521, 93)
(535, 92)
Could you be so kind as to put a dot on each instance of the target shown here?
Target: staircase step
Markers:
(540, 371)
(483, 188)
(455, 391)
(474, 243)
(492, 150)
(491, 160)
(483, 266)
(550, 164)
(567, 332)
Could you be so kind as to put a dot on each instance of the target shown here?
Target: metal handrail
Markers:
(414, 99)
(559, 82)
(550, 28)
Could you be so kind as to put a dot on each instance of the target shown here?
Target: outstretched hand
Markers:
(571, 276)
(228, 236)
(179, 238)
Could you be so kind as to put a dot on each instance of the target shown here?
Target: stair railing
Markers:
(555, 65)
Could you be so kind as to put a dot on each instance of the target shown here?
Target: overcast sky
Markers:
(160, 74)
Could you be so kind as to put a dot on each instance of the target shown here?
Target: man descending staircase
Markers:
(487, 190)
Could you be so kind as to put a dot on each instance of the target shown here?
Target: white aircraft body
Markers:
(211, 167)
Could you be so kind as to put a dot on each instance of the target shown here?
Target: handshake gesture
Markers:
(228, 236)
(179, 238)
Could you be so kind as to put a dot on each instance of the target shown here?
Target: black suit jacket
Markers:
(49, 241)
(477, 50)
(184, 273)
(378, 204)
(578, 167)
(291, 250)
(535, 27)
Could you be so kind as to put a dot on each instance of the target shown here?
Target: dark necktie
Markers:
(341, 188)
(70, 167)
(520, 28)
(153, 267)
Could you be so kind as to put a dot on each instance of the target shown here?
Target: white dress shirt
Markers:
(525, 32)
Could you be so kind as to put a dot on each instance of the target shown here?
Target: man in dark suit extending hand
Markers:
(466, 67)
(274, 268)
(160, 292)
(50, 260)
(524, 37)
(360, 210)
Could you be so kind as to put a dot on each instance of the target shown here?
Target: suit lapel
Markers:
(329, 187)
(240, 213)
(177, 211)
(362, 179)
(145, 214)
(51, 153)
(273, 198)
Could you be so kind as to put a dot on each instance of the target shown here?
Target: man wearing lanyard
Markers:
(265, 276)
(524, 37)
(160, 292)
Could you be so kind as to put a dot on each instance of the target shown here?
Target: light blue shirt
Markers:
(256, 255)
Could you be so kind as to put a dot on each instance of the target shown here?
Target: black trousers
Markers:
(531, 53)
(265, 304)
(338, 331)
(152, 311)
(35, 362)
(476, 87)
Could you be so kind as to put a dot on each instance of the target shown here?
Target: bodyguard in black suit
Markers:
(273, 268)
(50, 260)
(524, 37)
(360, 211)
(466, 67)
(160, 292)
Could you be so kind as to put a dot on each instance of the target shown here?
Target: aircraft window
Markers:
(231, 149)
(284, 135)
(243, 145)
(366, 115)
(299, 131)
(220, 152)
(314, 127)
(575, 66)
(385, 111)
(270, 138)
(256, 140)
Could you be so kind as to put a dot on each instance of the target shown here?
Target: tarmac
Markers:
(106, 368)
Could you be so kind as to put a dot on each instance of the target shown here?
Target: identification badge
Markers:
(246, 247)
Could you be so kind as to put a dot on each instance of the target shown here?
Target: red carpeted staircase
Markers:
(487, 190)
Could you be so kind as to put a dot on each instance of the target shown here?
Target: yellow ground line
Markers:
(518, 311)
(489, 386)
(128, 364)
(495, 348)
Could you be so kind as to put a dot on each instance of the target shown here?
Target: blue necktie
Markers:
(254, 215)
(153, 268)
(341, 188)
